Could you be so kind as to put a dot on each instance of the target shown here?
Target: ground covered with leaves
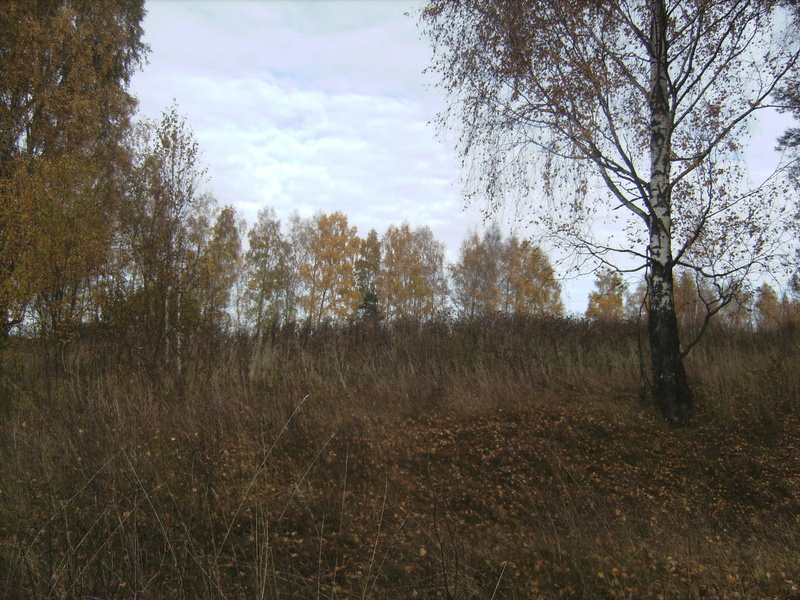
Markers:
(112, 488)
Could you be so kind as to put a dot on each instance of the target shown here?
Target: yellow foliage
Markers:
(497, 275)
(412, 282)
(328, 277)
(65, 68)
(606, 302)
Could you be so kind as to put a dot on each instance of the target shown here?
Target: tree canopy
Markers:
(64, 114)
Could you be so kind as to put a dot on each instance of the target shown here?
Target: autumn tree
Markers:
(165, 227)
(220, 262)
(436, 292)
(64, 110)
(73, 241)
(412, 282)
(528, 281)
(772, 311)
(649, 101)
(496, 274)
(269, 273)
(327, 270)
(368, 268)
(476, 287)
(606, 301)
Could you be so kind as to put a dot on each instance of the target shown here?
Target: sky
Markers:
(323, 105)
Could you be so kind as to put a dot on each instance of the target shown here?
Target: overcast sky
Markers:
(320, 105)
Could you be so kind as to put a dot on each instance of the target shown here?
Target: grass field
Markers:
(504, 459)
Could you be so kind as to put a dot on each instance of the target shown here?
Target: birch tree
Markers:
(327, 275)
(475, 278)
(606, 301)
(220, 263)
(269, 295)
(412, 282)
(165, 226)
(65, 66)
(768, 308)
(529, 281)
(625, 116)
(494, 275)
(368, 268)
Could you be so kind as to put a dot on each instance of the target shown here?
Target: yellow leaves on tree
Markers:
(368, 268)
(412, 282)
(164, 232)
(221, 261)
(65, 107)
(606, 302)
(496, 275)
(773, 312)
(531, 287)
(269, 295)
(72, 243)
(328, 276)
(477, 290)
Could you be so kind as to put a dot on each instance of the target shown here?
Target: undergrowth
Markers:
(501, 459)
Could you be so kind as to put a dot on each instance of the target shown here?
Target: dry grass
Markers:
(508, 459)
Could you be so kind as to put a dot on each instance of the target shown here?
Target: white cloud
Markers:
(308, 106)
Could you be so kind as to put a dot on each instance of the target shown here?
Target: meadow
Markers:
(505, 458)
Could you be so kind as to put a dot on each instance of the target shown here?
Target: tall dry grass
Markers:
(510, 458)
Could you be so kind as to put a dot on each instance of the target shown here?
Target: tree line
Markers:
(105, 219)
(110, 225)
(160, 256)
(163, 257)
(697, 303)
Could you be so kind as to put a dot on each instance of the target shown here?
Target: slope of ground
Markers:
(462, 481)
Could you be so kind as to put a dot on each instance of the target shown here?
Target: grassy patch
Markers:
(510, 459)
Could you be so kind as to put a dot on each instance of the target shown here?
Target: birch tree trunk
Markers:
(670, 386)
